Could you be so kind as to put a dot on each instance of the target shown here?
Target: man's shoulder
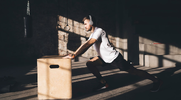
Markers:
(99, 29)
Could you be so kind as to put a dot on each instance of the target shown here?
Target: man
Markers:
(107, 55)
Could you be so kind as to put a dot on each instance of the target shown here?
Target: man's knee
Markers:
(89, 63)
(94, 62)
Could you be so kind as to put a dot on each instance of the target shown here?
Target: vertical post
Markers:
(28, 23)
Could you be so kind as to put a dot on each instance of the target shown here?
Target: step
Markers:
(162, 60)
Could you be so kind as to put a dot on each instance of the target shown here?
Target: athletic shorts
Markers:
(119, 62)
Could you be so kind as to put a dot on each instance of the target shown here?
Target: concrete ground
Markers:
(122, 85)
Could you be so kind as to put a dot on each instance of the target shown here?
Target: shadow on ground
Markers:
(169, 90)
(24, 79)
(83, 89)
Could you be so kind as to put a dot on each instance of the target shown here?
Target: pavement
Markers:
(123, 86)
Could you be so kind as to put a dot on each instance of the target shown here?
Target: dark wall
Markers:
(16, 49)
(103, 10)
(111, 15)
(158, 20)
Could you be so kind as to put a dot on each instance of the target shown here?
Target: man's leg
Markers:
(122, 64)
(156, 82)
(92, 66)
(141, 73)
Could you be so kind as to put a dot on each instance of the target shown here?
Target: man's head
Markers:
(89, 22)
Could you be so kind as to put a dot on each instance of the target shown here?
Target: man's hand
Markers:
(81, 49)
(69, 56)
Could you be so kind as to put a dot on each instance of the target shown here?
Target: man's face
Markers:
(87, 26)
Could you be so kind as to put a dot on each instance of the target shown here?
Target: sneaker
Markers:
(101, 87)
(156, 86)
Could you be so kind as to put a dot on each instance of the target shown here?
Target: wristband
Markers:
(73, 56)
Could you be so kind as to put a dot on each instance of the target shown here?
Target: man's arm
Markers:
(84, 47)
(81, 49)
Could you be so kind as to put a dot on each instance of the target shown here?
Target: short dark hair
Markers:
(93, 19)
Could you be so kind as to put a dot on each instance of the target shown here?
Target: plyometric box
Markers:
(54, 78)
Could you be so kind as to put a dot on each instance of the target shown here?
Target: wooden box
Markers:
(54, 78)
